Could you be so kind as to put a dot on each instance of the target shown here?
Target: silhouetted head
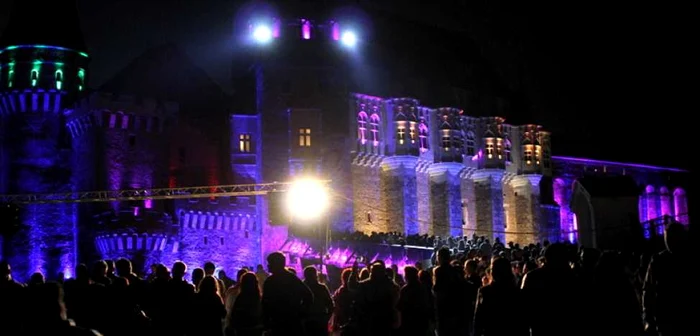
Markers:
(162, 272)
(377, 271)
(99, 269)
(197, 276)
(311, 274)
(249, 283)
(179, 269)
(345, 276)
(364, 274)
(556, 255)
(470, 267)
(81, 273)
(276, 262)
(444, 256)
(259, 268)
(501, 271)
(222, 274)
(589, 257)
(123, 267)
(426, 279)
(209, 268)
(241, 272)
(411, 275)
(36, 279)
(110, 266)
(208, 285)
(676, 238)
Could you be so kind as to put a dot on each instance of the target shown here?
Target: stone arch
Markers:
(362, 126)
(680, 204)
(374, 122)
(666, 202)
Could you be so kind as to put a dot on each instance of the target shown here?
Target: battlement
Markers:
(131, 242)
(120, 112)
(225, 221)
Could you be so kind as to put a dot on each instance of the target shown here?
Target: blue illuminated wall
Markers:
(37, 82)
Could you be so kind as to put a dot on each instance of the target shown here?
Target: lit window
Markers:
(412, 133)
(10, 77)
(374, 128)
(527, 155)
(499, 148)
(34, 77)
(112, 120)
(446, 140)
(489, 148)
(423, 137)
(362, 127)
(537, 155)
(244, 143)
(400, 134)
(304, 137)
(59, 79)
(125, 122)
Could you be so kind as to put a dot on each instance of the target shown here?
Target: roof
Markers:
(52, 23)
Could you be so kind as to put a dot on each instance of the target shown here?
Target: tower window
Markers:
(489, 148)
(34, 77)
(10, 77)
(446, 141)
(507, 150)
(362, 127)
(374, 128)
(423, 137)
(304, 137)
(59, 79)
(244, 143)
(400, 134)
(527, 155)
(81, 79)
(412, 133)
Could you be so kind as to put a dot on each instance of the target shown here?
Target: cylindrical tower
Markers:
(43, 64)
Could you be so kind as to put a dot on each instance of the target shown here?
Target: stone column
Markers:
(526, 229)
(425, 217)
(446, 198)
(488, 196)
(469, 209)
(398, 184)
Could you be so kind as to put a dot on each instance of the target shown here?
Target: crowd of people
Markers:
(484, 289)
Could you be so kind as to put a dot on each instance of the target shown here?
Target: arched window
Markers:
(680, 204)
(651, 203)
(34, 77)
(59, 79)
(374, 128)
(10, 78)
(423, 137)
(506, 149)
(469, 143)
(81, 79)
(666, 204)
(362, 127)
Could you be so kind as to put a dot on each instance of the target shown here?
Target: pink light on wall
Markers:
(148, 204)
(305, 29)
(652, 200)
(665, 198)
(680, 203)
(335, 31)
(275, 28)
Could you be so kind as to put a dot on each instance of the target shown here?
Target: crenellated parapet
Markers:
(229, 221)
(146, 242)
(119, 112)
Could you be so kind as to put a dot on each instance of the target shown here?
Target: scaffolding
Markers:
(149, 194)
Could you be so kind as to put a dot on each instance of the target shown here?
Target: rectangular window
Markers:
(125, 122)
(112, 120)
(304, 137)
(132, 141)
(412, 134)
(446, 142)
(244, 143)
(528, 156)
(400, 134)
(489, 150)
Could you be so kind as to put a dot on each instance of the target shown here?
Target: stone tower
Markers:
(43, 70)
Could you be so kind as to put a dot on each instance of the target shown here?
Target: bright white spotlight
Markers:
(262, 34)
(307, 199)
(349, 39)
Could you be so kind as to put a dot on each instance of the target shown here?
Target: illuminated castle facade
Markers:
(396, 164)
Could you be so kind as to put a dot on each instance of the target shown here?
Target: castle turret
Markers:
(43, 70)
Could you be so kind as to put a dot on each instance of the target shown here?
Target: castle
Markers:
(395, 163)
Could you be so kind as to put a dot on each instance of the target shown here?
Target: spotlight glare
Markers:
(307, 199)
(349, 39)
(262, 34)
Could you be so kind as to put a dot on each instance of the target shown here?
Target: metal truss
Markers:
(149, 194)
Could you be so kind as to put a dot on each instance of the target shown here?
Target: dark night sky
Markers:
(599, 76)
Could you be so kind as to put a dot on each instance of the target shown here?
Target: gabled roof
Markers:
(52, 23)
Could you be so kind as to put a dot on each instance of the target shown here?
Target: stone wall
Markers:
(488, 196)
(367, 204)
(229, 240)
(526, 193)
(425, 217)
(468, 203)
(398, 178)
